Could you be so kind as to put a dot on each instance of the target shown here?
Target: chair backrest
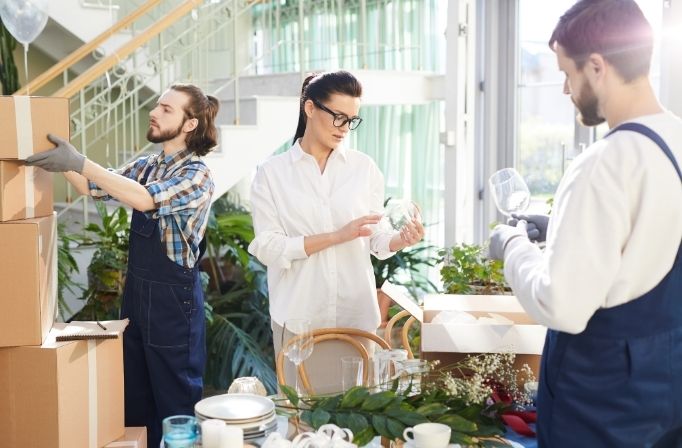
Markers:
(404, 334)
(352, 336)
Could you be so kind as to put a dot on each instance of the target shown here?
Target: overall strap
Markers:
(648, 132)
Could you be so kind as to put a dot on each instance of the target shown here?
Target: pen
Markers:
(101, 326)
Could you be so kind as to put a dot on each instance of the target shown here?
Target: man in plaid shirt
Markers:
(164, 345)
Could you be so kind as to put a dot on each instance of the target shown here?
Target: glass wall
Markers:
(548, 137)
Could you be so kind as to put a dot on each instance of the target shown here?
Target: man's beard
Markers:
(163, 136)
(588, 107)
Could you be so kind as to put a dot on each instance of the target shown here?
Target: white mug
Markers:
(428, 435)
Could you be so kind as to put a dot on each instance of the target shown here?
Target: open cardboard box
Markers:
(63, 394)
(450, 342)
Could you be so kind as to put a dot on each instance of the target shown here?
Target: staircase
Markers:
(147, 45)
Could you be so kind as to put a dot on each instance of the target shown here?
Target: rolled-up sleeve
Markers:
(186, 191)
(272, 246)
(132, 171)
(380, 240)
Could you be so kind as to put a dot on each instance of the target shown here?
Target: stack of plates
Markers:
(253, 413)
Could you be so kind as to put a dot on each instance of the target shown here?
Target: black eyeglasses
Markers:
(340, 120)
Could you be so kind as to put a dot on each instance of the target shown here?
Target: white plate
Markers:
(248, 426)
(245, 422)
(235, 407)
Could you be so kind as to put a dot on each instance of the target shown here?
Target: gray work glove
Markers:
(537, 225)
(60, 159)
(502, 235)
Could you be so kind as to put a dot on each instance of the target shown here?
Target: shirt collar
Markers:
(176, 159)
(297, 152)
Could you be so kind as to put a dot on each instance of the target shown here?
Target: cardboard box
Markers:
(28, 275)
(450, 343)
(25, 191)
(133, 438)
(25, 122)
(62, 394)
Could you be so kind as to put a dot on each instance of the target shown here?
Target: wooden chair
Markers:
(349, 335)
(404, 334)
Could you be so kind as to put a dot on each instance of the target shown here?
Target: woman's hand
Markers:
(410, 234)
(356, 228)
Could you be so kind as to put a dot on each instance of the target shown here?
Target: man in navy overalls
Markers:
(164, 345)
(609, 282)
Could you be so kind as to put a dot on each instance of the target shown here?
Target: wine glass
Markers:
(397, 213)
(298, 346)
(510, 191)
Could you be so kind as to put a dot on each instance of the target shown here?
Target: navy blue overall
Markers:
(619, 382)
(164, 349)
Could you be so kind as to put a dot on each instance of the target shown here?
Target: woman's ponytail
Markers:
(300, 129)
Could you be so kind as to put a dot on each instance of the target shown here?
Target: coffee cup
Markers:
(428, 435)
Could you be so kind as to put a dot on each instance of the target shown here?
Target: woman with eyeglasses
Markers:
(315, 210)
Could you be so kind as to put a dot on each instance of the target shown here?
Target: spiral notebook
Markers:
(77, 330)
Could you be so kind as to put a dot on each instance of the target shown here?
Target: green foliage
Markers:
(239, 338)
(66, 267)
(9, 76)
(106, 271)
(407, 268)
(387, 413)
(466, 271)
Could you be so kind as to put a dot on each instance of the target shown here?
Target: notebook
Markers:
(77, 330)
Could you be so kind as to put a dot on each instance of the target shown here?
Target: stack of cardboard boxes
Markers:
(52, 394)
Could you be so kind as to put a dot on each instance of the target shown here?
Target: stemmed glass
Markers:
(297, 343)
(510, 191)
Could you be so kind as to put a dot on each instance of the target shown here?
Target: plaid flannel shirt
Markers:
(181, 190)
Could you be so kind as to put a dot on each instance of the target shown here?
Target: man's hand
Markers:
(537, 225)
(357, 228)
(60, 159)
(502, 235)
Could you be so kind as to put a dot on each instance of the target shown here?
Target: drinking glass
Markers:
(351, 372)
(179, 431)
(297, 343)
(509, 191)
(411, 372)
(384, 366)
(397, 213)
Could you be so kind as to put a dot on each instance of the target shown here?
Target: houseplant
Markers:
(106, 271)
(466, 270)
(238, 336)
(66, 267)
(9, 76)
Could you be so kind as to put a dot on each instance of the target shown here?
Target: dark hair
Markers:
(615, 29)
(204, 108)
(318, 86)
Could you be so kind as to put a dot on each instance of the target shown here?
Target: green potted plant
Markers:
(238, 335)
(106, 271)
(466, 270)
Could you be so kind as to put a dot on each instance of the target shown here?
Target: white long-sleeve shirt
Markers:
(291, 199)
(615, 229)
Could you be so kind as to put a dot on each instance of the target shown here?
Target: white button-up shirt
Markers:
(291, 199)
(615, 229)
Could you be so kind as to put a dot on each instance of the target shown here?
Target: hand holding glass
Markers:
(509, 191)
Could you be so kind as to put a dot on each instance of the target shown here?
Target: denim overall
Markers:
(619, 382)
(164, 348)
